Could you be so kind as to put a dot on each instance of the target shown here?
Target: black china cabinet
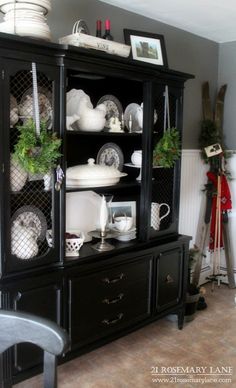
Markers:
(99, 295)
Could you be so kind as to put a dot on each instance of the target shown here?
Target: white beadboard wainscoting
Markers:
(192, 206)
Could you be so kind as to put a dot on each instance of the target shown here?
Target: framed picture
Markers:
(147, 47)
(127, 208)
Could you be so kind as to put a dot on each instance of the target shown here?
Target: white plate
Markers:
(131, 110)
(110, 154)
(113, 107)
(45, 103)
(83, 212)
(127, 236)
(31, 217)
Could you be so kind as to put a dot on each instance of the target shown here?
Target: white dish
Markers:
(23, 30)
(133, 165)
(75, 183)
(31, 217)
(136, 158)
(6, 5)
(23, 6)
(110, 154)
(92, 175)
(126, 236)
(45, 103)
(83, 212)
(113, 108)
(130, 111)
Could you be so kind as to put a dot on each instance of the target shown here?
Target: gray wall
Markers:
(186, 52)
(227, 75)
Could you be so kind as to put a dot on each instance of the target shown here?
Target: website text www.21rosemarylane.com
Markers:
(193, 375)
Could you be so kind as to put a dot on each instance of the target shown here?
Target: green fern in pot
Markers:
(167, 150)
(36, 154)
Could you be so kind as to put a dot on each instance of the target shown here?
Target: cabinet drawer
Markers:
(169, 278)
(109, 300)
(113, 280)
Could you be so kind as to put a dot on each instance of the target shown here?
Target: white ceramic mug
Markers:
(155, 214)
(123, 223)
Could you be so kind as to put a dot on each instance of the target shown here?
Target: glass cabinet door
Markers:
(30, 202)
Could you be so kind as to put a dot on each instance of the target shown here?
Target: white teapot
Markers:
(23, 241)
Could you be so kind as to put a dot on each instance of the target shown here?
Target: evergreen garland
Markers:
(36, 154)
(167, 150)
(209, 135)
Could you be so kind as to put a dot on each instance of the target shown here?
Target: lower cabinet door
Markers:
(41, 296)
(169, 278)
(106, 301)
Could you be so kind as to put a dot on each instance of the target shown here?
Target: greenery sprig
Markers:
(167, 150)
(36, 154)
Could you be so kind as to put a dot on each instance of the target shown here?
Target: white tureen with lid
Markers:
(92, 175)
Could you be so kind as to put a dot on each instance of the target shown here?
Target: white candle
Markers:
(103, 214)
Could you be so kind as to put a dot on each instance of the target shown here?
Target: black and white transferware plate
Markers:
(113, 107)
(110, 154)
(32, 217)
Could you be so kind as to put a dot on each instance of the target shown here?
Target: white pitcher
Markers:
(155, 214)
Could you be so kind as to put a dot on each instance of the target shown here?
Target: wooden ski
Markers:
(219, 110)
(228, 251)
(202, 235)
(206, 102)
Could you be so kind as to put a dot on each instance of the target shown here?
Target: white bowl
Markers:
(123, 223)
(73, 244)
(136, 158)
(92, 175)
(91, 124)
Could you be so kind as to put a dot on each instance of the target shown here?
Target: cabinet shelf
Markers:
(104, 134)
(118, 186)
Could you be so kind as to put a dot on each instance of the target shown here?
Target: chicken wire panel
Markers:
(162, 178)
(31, 204)
(162, 193)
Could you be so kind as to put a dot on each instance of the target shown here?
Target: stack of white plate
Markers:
(26, 18)
(126, 236)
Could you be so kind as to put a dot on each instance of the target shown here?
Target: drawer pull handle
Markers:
(115, 300)
(113, 321)
(114, 280)
(169, 279)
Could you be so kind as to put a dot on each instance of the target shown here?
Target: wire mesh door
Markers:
(165, 174)
(33, 207)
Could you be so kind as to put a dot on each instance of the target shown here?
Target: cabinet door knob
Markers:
(115, 300)
(114, 320)
(114, 280)
(169, 279)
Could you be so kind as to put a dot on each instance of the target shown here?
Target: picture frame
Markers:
(146, 47)
(127, 208)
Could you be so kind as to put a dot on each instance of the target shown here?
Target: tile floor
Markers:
(207, 342)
